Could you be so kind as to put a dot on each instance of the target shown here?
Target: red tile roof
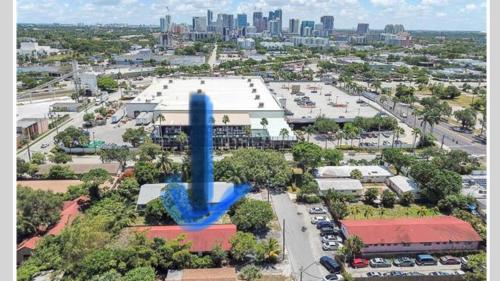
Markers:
(411, 230)
(202, 241)
(69, 212)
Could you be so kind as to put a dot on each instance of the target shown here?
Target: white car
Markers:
(333, 277)
(316, 219)
(331, 245)
(317, 210)
(328, 238)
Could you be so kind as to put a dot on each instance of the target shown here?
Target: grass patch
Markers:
(462, 101)
(361, 211)
(275, 278)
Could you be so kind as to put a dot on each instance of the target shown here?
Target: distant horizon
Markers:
(425, 15)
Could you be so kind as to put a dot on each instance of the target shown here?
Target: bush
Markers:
(252, 215)
(308, 198)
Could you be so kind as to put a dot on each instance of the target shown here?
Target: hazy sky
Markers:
(414, 14)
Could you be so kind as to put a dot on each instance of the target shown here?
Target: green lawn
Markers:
(362, 211)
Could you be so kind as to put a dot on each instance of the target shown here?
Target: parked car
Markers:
(425, 259)
(394, 273)
(439, 273)
(328, 95)
(333, 277)
(45, 145)
(331, 238)
(316, 219)
(359, 263)
(404, 261)
(380, 262)
(327, 231)
(317, 210)
(414, 273)
(374, 274)
(449, 260)
(330, 264)
(331, 245)
(321, 224)
(458, 272)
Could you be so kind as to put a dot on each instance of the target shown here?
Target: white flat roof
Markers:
(226, 94)
(345, 171)
(339, 184)
(404, 184)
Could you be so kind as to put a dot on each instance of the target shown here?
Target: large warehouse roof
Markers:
(226, 94)
(411, 230)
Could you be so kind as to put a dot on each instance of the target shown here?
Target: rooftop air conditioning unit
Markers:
(251, 85)
(199, 91)
(261, 104)
(202, 81)
(148, 100)
(257, 97)
(165, 87)
(170, 81)
(249, 80)
(254, 90)
(158, 94)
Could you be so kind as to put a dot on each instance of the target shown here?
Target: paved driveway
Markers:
(304, 248)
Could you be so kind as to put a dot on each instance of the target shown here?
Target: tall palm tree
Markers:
(309, 131)
(354, 245)
(182, 139)
(272, 249)
(248, 133)
(415, 132)
(283, 133)
(263, 123)
(377, 85)
(340, 135)
(396, 133)
(165, 163)
(161, 118)
(225, 120)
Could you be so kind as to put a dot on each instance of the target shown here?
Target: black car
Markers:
(330, 264)
(322, 224)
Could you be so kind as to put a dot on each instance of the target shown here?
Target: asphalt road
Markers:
(452, 139)
(302, 251)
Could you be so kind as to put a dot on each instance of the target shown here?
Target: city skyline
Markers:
(459, 15)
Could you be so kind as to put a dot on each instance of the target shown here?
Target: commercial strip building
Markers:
(370, 174)
(30, 128)
(244, 100)
(413, 235)
(202, 241)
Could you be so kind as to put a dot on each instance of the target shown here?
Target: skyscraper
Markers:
(257, 21)
(274, 28)
(327, 22)
(200, 24)
(165, 24)
(241, 20)
(293, 26)
(306, 28)
(277, 15)
(210, 17)
(394, 28)
(362, 28)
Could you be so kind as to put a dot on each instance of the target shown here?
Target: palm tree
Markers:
(165, 163)
(396, 132)
(309, 131)
(340, 135)
(272, 249)
(225, 120)
(182, 139)
(283, 134)
(248, 133)
(263, 123)
(415, 132)
(353, 245)
(377, 85)
(161, 118)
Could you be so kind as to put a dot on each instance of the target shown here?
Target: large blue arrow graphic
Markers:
(190, 207)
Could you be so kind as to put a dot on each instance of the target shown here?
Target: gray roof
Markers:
(339, 184)
(345, 171)
(150, 192)
(26, 122)
(404, 184)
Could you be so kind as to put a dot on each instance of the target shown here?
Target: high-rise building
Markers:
(200, 24)
(306, 27)
(394, 28)
(264, 23)
(362, 28)
(327, 22)
(210, 17)
(277, 15)
(225, 21)
(257, 21)
(165, 23)
(293, 26)
(241, 20)
(274, 28)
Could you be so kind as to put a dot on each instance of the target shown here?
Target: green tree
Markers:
(38, 158)
(332, 157)
(250, 273)
(388, 198)
(219, 255)
(88, 117)
(242, 246)
(454, 202)
(324, 125)
(338, 209)
(60, 172)
(466, 117)
(116, 153)
(283, 134)
(93, 179)
(146, 273)
(407, 198)
(155, 213)
(134, 136)
(225, 120)
(72, 137)
(477, 265)
(129, 188)
(353, 246)
(60, 157)
(435, 183)
(107, 83)
(371, 194)
(252, 215)
(148, 151)
(308, 155)
(146, 173)
(398, 158)
(182, 139)
(356, 174)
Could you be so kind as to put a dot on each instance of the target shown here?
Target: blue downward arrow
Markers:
(190, 207)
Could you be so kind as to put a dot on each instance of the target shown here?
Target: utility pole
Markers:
(378, 145)
(283, 239)
(442, 141)
(29, 140)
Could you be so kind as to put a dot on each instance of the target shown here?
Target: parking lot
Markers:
(424, 269)
(329, 101)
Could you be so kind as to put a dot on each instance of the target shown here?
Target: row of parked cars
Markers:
(420, 260)
(413, 273)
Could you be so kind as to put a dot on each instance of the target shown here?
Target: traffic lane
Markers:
(297, 242)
